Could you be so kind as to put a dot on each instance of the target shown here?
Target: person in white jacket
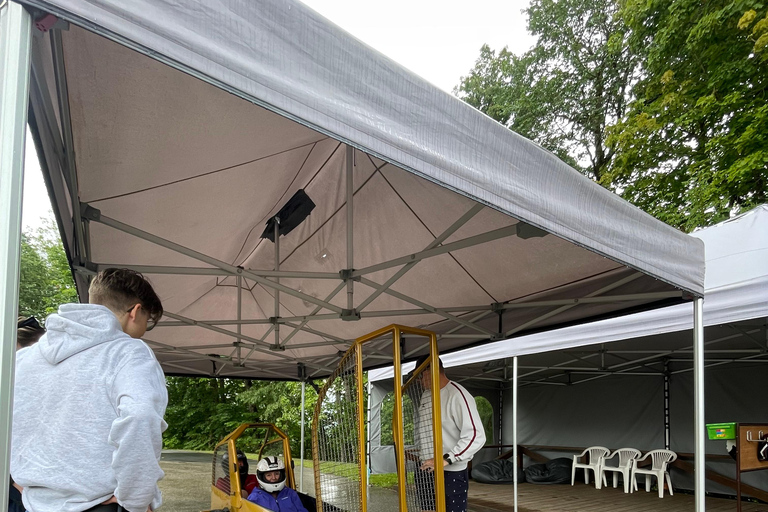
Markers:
(462, 434)
(89, 403)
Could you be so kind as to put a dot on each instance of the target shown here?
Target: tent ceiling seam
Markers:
(202, 175)
(319, 170)
(301, 167)
(493, 299)
(330, 217)
(197, 299)
(436, 240)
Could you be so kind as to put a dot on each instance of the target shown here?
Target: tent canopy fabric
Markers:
(735, 315)
(170, 133)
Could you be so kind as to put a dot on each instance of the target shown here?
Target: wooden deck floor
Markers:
(585, 498)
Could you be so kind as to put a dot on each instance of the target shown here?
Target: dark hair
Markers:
(423, 358)
(29, 331)
(120, 288)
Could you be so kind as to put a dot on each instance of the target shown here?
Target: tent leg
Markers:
(698, 409)
(514, 426)
(15, 58)
(350, 225)
(277, 280)
(666, 404)
(301, 449)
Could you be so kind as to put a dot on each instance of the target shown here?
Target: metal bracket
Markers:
(497, 306)
(88, 212)
(350, 315)
(526, 231)
(302, 371)
(277, 348)
(346, 275)
(499, 336)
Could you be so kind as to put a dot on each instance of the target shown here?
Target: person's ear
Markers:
(134, 312)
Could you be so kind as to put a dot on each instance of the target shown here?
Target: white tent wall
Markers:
(614, 412)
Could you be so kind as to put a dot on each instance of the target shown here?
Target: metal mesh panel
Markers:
(335, 438)
(221, 469)
(417, 433)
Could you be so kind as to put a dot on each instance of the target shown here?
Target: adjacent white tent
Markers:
(605, 382)
(170, 133)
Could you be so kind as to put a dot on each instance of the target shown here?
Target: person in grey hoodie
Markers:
(89, 403)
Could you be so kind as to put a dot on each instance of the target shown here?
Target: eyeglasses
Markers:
(29, 322)
(150, 324)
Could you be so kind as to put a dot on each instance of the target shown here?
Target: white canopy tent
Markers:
(170, 133)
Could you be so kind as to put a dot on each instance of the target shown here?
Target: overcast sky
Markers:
(437, 39)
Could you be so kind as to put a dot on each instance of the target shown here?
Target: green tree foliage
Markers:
(201, 411)
(694, 147)
(45, 279)
(485, 409)
(568, 88)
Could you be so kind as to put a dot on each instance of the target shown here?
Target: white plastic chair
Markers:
(660, 459)
(594, 455)
(626, 456)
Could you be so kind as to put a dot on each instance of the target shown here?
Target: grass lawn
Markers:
(350, 471)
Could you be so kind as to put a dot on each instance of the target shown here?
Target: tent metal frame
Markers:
(270, 279)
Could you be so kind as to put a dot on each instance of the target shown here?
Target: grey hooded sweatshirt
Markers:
(88, 414)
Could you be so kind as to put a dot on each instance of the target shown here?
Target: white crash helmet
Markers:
(266, 465)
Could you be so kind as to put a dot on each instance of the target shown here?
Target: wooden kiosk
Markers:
(751, 447)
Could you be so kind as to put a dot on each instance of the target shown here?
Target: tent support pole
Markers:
(239, 315)
(277, 280)
(350, 226)
(80, 246)
(489, 236)
(698, 413)
(301, 449)
(501, 407)
(429, 308)
(312, 314)
(15, 58)
(514, 425)
(200, 271)
(666, 404)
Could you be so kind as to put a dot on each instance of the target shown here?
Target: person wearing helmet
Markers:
(247, 482)
(271, 492)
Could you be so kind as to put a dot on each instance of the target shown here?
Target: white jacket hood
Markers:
(78, 327)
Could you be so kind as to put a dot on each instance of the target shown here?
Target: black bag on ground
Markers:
(497, 472)
(555, 471)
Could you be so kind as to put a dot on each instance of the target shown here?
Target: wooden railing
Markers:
(681, 463)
